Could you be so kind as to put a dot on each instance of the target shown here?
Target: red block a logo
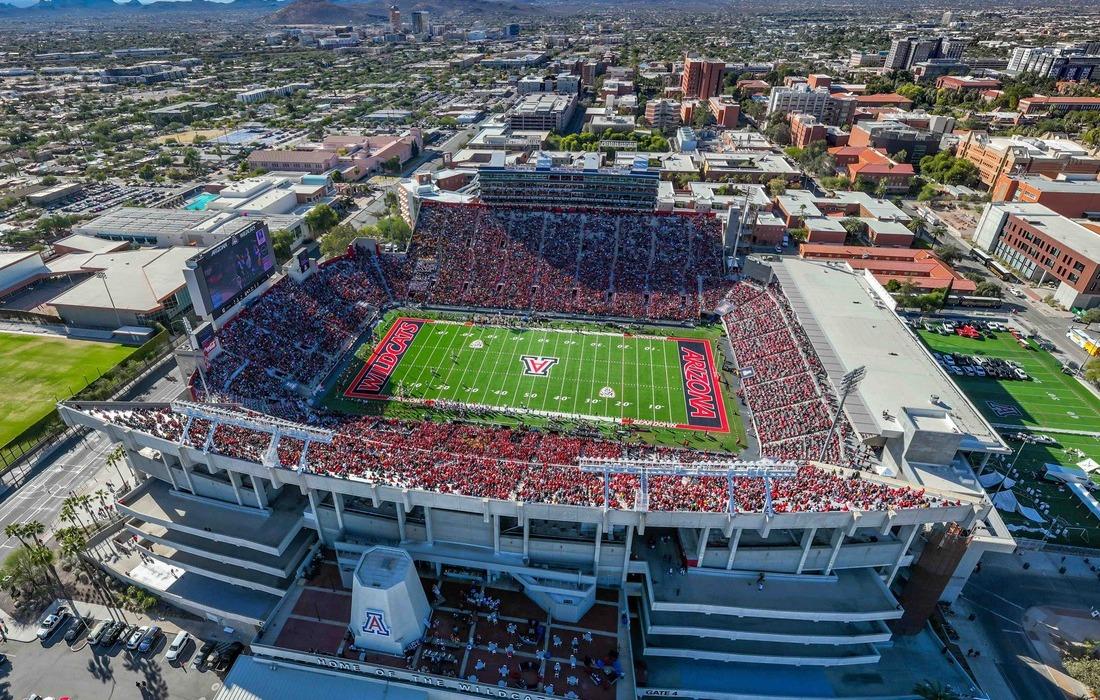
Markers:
(537, 366)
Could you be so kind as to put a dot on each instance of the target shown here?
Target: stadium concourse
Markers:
(260, 506)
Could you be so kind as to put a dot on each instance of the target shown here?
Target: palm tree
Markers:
(69, 513)
(113, 458)
(16, 530)
(934, 690)
(34, 530)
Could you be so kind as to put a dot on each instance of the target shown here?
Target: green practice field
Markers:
(1049, 400)
(38, 371)
(574, 374)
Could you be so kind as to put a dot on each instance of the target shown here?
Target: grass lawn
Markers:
(38, 371)
(1049, 400)
(641, 383)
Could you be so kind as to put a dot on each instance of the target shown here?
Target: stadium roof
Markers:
(850, 326)
(138, 279)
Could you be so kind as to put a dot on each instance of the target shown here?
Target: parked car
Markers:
(111, 635)
(136, 634)
(148, 639)
(179, 642)
(77, 628)
(226, 656)
(52, 622)
(200, 656)
(97, 632)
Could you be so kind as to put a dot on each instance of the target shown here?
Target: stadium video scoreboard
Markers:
(226, 273)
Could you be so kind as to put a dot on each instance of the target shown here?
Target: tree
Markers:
(281, 241)
(777, 186)
(988, 289)
(146, 172)
(191, 159)
(337, 240)
(948, 253)
(1089, 317)
(321, 218)
(934, 690)
(1092, 370)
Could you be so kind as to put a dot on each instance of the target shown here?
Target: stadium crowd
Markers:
(518, 464)
(783, 382)
(601, 264)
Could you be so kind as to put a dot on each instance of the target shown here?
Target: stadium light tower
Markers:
(847, 384)
(103, 276)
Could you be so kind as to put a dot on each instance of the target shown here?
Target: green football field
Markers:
(1050, 399)
(38, 371)
(553, 373)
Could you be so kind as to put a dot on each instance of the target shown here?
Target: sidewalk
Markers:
(169, 625)
(1048, 629)
(983, 667)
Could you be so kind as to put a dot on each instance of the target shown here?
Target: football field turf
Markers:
(645, 380)
(1050, 399)
(38, 371)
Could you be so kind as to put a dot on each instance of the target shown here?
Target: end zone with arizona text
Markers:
(705, 408)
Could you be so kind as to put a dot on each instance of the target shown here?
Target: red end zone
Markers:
(702, 396)
(371, 381)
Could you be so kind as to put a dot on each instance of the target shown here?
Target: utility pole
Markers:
(103, 276)
(847, 383)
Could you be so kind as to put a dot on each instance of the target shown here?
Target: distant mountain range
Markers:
(110, 6)
(365, 11)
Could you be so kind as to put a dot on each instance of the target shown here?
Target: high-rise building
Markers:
(701, 77)
(421, 22)
(395, 18)
(831, 109)
(908, 51)
(1058, 62)
(511, 29)
(662, 114)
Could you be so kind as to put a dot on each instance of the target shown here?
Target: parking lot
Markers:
(57, 668)
(99, 197)
(89, 661)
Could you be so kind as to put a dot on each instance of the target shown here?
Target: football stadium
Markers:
(509, 461)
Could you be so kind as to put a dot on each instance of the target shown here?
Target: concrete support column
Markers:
(171, 476)
(837, 540)
(428, 525)
(235, 482)
(401, 522)
(734, 540)
(807, 541)
(496, 534)
(187, 476)
(338, 505)
(626, 552)
(599, 541)
(260, 490)
(985, 462)
(703, 537)
(526, 537)
(313, 503)
(908, 540)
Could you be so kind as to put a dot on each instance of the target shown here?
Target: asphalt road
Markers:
(1001, 593)
(54, 669)
(73, 464)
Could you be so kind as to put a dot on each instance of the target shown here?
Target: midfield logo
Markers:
(537, 366)
(374, 622)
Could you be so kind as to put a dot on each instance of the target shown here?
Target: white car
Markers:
(51, 622)
(136, 637)
(177, 645)
(1017, 293)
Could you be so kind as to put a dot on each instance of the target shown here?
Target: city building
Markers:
(544, 111)
(1041, 245)
(702, 77)
(725, 110)
(920, 268)
(964, 83)
(805, 129)
(1024, 155)
(183, 112)
(906, 52)
(352, 155)
(1058, 62)
(836, 109)
(894, 137)
(1042, 104)
(421, 22)
(748, 167)
(585, 184)
(1075, 198)
(166, 228)
(874, 166)
(395, 19)
(662, 114)
(263, 94)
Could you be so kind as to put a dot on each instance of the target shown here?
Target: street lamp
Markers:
(103, 276)
(847, 383)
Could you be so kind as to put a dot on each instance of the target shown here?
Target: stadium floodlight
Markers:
(848, 383)
(276, 427)
(766, 469)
